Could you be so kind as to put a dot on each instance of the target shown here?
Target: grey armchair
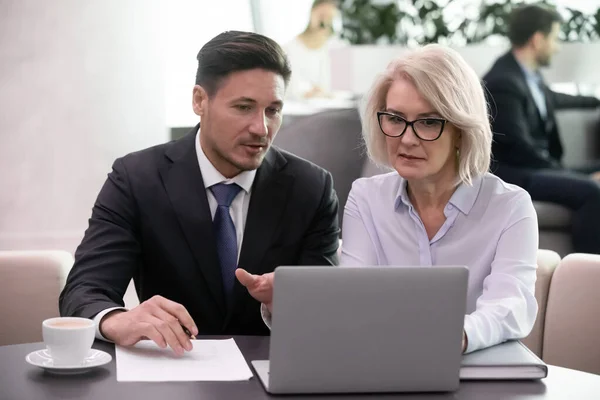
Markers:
(579, 133)
(332, 140)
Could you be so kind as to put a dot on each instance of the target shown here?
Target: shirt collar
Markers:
(211, 176)
(529, 73)
(463, 197)
(402, 195)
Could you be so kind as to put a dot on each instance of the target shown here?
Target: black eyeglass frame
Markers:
(411, 124)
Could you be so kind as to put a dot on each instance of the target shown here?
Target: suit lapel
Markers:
(549, 103)
(268, 201)
(185, 187)
(517, 68)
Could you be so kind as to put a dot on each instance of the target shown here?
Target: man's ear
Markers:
(199, 100)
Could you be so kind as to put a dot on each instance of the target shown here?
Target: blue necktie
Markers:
(225, 233)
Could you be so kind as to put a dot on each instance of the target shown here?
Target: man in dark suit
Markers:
(180, 218)
(527, 148)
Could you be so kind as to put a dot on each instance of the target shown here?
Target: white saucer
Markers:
(42, 359)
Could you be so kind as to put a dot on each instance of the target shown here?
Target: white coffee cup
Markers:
(68, 339)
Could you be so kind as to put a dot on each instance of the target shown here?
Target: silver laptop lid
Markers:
(369, 329)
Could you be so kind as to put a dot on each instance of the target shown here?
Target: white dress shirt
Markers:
(238, 209)
(240, 203)
(534, 82)
(491, 227)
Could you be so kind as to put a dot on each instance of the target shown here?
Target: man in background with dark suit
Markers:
(527, 148)
(180, 218)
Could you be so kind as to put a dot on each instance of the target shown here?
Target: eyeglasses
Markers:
(427, 129)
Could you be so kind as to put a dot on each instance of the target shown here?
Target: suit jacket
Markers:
(152, 222)
(522, 138)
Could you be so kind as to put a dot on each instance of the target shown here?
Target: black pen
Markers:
(187, 332)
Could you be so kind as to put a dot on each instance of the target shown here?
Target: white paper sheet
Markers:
(210, 360)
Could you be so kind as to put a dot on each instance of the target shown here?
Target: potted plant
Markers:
(424, 21)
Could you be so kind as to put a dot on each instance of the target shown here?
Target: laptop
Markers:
(365, 330)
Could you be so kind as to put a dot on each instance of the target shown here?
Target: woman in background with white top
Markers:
(426, 117)
(308, 52)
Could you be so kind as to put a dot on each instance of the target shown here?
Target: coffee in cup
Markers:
(68, 339)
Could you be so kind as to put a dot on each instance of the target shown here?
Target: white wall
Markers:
(357, 66)
(189, 24)
(282, 20)
(81, 83)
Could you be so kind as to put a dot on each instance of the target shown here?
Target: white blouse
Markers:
(491, 227)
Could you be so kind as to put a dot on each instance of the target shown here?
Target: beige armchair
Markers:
(29, 289)
(548, 260)
(572, 325)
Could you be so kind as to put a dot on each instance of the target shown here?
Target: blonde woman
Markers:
(426, 117)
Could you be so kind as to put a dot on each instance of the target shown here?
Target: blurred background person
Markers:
(527, 148)
(309, 51)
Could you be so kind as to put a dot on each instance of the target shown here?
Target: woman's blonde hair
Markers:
(452, 88)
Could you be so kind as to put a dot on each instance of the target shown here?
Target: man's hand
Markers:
(595, 176)
(259, 286)
(157, 319)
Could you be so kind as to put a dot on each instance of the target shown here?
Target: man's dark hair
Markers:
(525, 21)
(234, 51)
